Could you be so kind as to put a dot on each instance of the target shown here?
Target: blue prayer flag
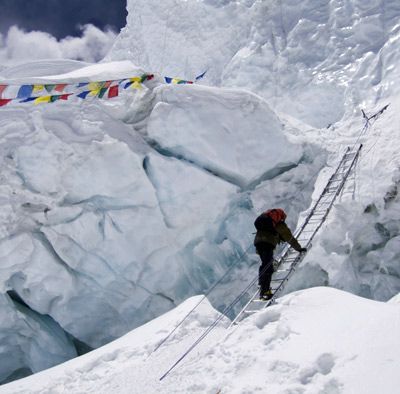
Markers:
(28, 99)
(25, 91)
(201, 76)
(83, 94)
(168, 79)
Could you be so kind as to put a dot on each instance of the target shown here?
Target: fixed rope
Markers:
(240, 258)
(216, 321)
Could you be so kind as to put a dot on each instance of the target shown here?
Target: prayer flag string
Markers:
(51, 92)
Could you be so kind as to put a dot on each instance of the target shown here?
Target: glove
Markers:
(303, 250)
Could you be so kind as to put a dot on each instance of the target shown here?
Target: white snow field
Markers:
(114, 212)
(319, 340)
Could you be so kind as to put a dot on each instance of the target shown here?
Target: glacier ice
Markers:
(29, 342)
(134, 204)
(115, 212)
(198, 123)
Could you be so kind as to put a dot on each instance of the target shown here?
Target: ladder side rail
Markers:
(287, 250)
(239, 315)
(282, 284)
(300, 258)
(339, 189)
(313, 209)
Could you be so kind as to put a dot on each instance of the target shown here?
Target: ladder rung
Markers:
(279, 279)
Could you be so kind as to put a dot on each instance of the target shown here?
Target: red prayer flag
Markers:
(4, 102)
(2, 88)
(60, 87)
(113, 91)
(65, 96)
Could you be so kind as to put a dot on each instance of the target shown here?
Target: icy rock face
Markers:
(305, 57)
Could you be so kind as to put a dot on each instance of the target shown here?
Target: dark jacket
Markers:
(281, 233)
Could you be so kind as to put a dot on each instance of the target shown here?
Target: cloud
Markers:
(18, 46)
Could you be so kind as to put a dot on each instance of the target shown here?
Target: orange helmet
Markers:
(277, 215)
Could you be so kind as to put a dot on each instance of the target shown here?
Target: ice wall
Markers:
(116, 211)
(312, 59)
(319, 62)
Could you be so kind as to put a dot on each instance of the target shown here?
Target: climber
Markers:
(271, 230)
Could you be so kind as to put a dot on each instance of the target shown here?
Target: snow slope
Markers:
(314, 341)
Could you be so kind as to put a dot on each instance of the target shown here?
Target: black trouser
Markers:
(266, 252)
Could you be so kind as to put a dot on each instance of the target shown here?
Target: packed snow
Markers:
(319, 340)
(117, 211)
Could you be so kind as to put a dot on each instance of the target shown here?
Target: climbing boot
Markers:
(266, 295)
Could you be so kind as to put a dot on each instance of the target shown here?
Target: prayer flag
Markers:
(83, 94)
(43, 99)
(80, 85)
(200, 76)
(2, 89)
(168, 79)
(102, 92)
(54, 98)
(4, 102)
(94, 92)
(60, 87)
(113, 91)
(37, 88)
(49, 88)
(95, 85)
(25, 91)
(107, 84)
(65, 96)
(28, 99)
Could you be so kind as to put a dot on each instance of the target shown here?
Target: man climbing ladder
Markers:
(271, 230)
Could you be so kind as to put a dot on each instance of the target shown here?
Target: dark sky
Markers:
(62, 17)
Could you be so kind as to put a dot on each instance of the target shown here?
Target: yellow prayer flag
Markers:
(43, 99)
(37, 88)
(94, 92)
(136, 85)
(135, 79)
(95, 85)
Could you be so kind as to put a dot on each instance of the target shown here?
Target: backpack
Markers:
(269, 219)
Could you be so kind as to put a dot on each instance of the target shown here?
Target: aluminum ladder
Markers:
(289, 259)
